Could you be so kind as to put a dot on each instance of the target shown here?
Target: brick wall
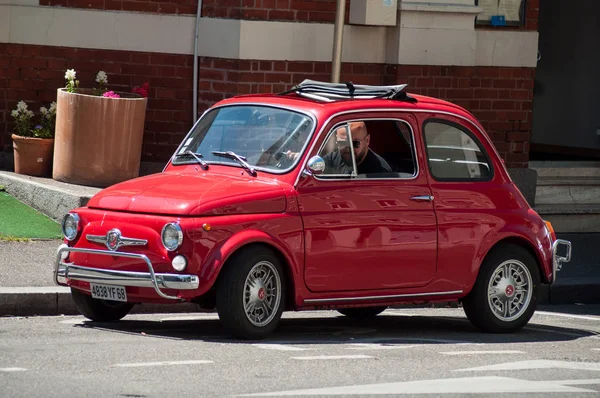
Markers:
(34, 73)
(500, 97)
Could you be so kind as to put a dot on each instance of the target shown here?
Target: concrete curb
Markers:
(49, 301)
(50, 197)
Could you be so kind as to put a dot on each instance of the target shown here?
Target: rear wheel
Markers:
(362, 312)
(504, 297)
(100, 310)
(250, 293)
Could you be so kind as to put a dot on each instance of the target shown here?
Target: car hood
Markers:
(173, 193)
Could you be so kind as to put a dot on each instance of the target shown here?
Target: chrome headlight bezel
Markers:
(172, 226)
(77, 220)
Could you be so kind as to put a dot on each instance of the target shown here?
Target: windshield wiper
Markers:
(235, 156)
(196, 156)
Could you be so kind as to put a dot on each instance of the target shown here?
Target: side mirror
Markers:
(316, 165)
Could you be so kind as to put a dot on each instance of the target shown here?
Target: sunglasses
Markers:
(355, 143)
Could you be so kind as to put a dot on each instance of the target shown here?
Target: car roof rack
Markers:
(330, 92)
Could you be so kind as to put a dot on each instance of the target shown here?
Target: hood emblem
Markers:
(113, 240)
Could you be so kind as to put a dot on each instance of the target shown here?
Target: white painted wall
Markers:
(429, 33)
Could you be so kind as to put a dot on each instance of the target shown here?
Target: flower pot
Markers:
(33, 156)
(98, 140)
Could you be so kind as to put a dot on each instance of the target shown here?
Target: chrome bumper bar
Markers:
(557, 260)
(121, 278)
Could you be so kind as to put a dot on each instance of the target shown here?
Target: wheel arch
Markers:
(514, 240)
(286, 263)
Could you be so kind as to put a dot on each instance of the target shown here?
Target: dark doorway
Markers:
(566, 106)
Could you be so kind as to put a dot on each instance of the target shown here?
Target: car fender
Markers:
(513, 233)
(218, 257)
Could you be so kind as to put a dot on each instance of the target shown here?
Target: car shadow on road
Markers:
(383, 329)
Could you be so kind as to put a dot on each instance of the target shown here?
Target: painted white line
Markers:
(468, 385)
(279, 347)
(536, 364)
(590, 318)
(372, 346)
(328, 357)
(163, 363)
(482, 352)
(595, 349)
(580, 382)
(12, 369)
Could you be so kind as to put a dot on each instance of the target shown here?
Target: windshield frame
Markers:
(293, 165)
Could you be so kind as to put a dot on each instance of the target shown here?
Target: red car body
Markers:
(361, 243)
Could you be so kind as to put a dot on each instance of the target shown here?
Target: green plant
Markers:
(24, 121)
(72, 84)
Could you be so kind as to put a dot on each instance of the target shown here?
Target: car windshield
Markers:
(260, 135)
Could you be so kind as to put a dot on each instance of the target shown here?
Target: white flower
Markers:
(29, 113)
(101, 77)
(53, 107)
(70, 75)
(15, 113)
(44, 110)
(22, 106)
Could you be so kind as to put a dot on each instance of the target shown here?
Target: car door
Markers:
(370, 231)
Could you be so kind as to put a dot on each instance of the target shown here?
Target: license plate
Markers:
(108, 292)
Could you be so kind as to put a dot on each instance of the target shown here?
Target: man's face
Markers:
(360, 143)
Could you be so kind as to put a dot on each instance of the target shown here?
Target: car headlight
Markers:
(172, 236)
(70, 226)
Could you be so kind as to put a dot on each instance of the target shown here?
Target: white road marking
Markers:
(482, 352)
(579, 382)
(590, 318)
(537, 364)
(595, 349)
(467, 385)
(375, 346)
(401, 340)
(12, 369)
(329, 357)
(279, 347)
(162, 363)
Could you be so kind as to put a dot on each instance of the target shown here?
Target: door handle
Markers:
(423, 198)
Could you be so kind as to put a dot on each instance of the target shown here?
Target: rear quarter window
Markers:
(454, 153)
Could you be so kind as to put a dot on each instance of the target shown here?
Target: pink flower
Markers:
(111, 94)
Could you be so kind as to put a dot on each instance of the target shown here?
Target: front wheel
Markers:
(250, 294)
(504, 297)
(99, 310)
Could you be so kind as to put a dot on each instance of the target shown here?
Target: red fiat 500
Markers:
(333, 196)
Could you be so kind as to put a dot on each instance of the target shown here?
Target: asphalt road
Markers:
(424, 352)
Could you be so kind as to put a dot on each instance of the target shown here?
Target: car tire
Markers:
(250, 293)
(362, 312)
(505, 293)
(99, 310)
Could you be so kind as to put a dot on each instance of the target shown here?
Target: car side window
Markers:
(369, 148)
(454, 154)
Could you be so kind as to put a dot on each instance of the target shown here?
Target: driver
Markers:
(340, 161)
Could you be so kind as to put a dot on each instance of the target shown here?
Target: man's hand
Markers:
(292, 155)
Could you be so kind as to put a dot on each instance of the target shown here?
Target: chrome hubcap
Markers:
(262, 293)
(510, 290)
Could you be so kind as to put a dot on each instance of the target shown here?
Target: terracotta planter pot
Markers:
(98, 140)
(33, 156)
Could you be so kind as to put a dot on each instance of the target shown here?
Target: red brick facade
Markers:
(500, 97)
(271, 10)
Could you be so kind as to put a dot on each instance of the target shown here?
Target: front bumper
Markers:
(558, 260)
(121, 278)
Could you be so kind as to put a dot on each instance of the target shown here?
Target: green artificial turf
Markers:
(19, 221)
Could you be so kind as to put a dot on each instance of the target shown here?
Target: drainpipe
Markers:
(336, 63)
(195, 87)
